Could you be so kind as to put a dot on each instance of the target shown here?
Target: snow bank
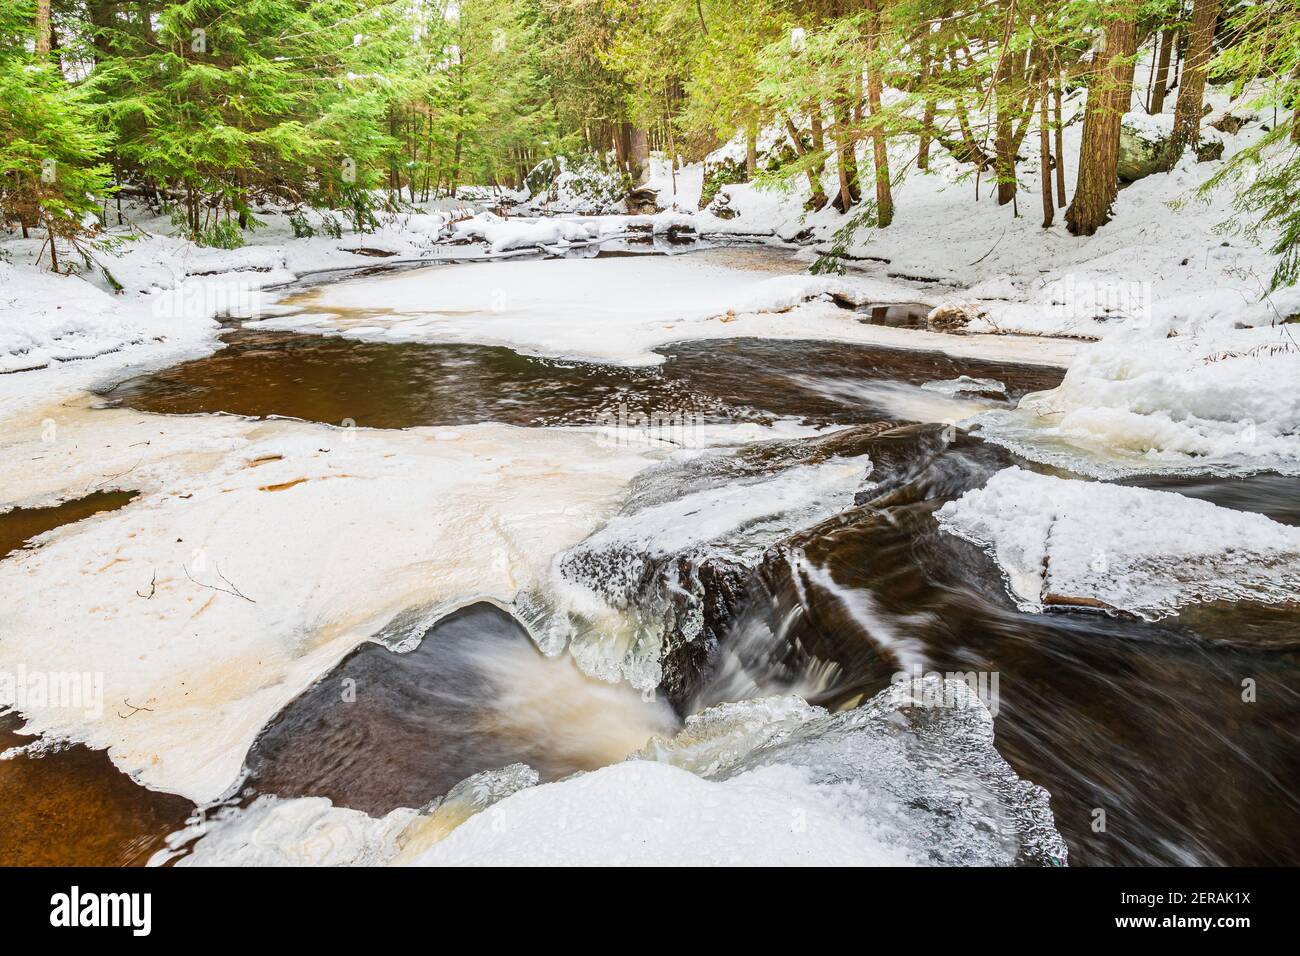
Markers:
(1210, 399)
(504, 234)
(147, 292)
(48, 318)
(910, 777)
(1061, 541)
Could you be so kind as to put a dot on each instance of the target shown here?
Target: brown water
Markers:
(74, 808)
(19, 525)
(386, 729)
(330, 379)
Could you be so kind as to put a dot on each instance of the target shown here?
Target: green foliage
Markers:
(51, 149)
(223, 234)
(368, 106)
(1264, 61)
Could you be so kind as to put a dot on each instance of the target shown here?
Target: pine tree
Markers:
(51, 173)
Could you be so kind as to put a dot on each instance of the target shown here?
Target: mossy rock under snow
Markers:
(1140, 151)
(722, 170)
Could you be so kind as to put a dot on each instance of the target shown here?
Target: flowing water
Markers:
(1143, 721)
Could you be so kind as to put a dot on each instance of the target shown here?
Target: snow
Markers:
(46, 318)
(900, 780)
(616, 311)
(502, 235)
(679, 191)
(170, 288)
(649, 814)
(1148, 552)
(1212, 399)
(259, 553)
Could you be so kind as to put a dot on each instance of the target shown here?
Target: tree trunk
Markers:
(818, 195)
(847, 161)
(1109, 95)
(640, 157)
(623, 146)
(1045, 151)
(1060, 140)
(819, 145)
(44, 34)
(1157, 104)
(879, 153)
(1008, 97)
(1191, 91)
(927, 117)
(751, 149)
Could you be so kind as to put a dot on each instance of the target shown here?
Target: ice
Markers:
(258, 554)
(617, 311)
(1063, 541)
(310, 831)
(910, 777)
(918, 761)
(966, 385)
(621, 596)
(653, 814)
(1211, 399)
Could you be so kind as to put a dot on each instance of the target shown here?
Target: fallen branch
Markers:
(232, 590)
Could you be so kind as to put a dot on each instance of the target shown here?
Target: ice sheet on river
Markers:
(910, 777)
(257, 555)
(1063, 542)
(617, 311)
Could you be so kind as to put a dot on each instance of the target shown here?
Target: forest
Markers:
(211, 106)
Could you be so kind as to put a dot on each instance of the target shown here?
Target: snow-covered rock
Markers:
(1213, 398)
(505, 234)
(1083, 543)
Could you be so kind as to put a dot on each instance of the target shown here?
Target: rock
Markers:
(1228, 123)
(721, 207)
(542, 177)
(643, 201)
(1139, 154)
(724, 172)
(1209, 150)
(953, 317)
